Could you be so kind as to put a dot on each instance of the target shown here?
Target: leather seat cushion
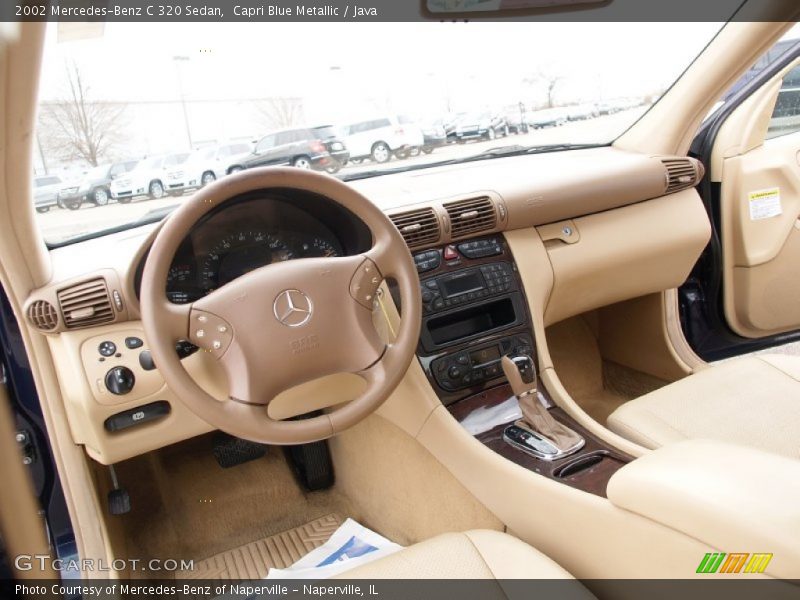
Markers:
(478, 554)
(753, 401)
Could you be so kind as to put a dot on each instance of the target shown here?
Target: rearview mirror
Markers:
(465, 7)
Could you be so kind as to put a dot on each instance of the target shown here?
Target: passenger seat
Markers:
(753, 401)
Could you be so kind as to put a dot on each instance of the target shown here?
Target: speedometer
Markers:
(239, 253)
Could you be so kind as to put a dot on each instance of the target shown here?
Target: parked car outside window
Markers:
(381, 138)
(306, 148)
(147, 179)
(206, 165)
(46, 192)
(93, 186)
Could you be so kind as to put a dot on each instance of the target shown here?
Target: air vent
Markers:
(418, 227)
(471, 216)
(681, 173)
(43, 315)
(86, 304)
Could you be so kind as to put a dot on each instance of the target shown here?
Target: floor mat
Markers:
(253, 560)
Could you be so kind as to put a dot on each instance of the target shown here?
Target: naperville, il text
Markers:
(349, 11)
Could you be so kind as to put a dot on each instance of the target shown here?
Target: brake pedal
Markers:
(119, 500)
(312, 464)
(231, 451)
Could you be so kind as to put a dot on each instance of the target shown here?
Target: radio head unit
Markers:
(466, 285)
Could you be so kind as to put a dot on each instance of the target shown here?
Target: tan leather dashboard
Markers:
(611, 225)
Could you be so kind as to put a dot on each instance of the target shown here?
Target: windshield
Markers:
(497, 84)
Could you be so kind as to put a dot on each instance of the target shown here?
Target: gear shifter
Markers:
(537, 433)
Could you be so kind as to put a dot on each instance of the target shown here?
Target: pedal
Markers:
(119, 500)
(312, 464)
(231, 451)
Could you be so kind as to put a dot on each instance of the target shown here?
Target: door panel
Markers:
(763, 297)
(22, 527)
(760, 212)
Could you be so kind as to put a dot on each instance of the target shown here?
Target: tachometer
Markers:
(240, 253)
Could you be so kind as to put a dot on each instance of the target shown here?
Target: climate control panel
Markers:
(478, 365)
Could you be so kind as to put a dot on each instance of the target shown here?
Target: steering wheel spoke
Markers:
(384, 257)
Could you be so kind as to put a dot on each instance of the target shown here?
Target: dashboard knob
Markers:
(120, 380)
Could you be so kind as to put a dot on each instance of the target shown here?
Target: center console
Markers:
(475, 313)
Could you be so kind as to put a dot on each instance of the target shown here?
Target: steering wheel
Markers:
(285, 323)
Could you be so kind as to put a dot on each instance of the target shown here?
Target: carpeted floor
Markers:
(598, 386)
(184, 505)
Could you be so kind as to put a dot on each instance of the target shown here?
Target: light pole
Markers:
(178, 60)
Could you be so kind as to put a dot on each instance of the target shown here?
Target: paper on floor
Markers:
(350, 546)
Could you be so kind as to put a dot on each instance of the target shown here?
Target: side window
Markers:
(51, 180)
(266, 143)
(786, 116)
(357, 128)
(287, 137)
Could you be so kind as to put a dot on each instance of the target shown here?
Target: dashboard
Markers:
(253, 232)
(586, 229)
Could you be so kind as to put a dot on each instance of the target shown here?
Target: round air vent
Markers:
(43, 315)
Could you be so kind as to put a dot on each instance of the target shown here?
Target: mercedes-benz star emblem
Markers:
(293, 308)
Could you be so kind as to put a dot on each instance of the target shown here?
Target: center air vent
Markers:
(43, 315)
(86, 304)
(471, 216)
(418, 227)
(682, 173)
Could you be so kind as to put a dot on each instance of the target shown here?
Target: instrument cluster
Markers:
(248, 235)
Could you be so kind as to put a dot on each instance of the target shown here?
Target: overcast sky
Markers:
(418, 68)
(235, 60)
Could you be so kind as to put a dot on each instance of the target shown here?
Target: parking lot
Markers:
(58, 224)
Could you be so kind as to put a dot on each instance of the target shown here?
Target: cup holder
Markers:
(584, 463)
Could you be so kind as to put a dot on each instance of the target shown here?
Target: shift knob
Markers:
(521, 374)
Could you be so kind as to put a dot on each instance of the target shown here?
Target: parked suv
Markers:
(207, 165)
(147, 179)
(516, 118)
(433, 136)
(46, 192)
(303, 147)
(380, 139)
(93, 186)
(480, 126)
(548, 117)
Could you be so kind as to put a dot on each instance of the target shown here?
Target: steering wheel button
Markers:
(216, 337)
(365, 283)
